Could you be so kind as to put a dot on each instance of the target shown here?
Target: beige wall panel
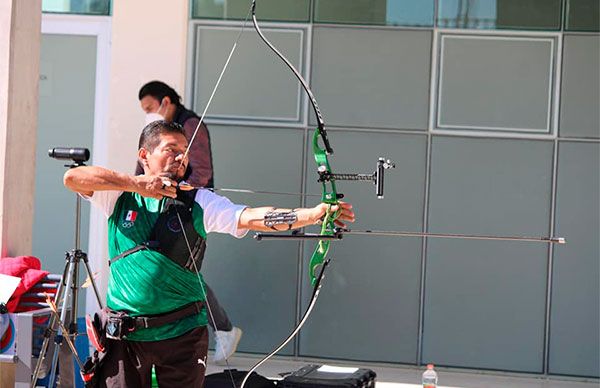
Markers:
(20, 23)
(149, 40)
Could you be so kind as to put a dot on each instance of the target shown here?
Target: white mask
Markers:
(154, 116)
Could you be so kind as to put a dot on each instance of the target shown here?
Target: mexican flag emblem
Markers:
(131, 216)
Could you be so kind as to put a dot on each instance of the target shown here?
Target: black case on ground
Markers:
(310, 377)
(223, 380)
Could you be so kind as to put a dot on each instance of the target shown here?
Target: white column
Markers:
(20, 23)
(149, 42)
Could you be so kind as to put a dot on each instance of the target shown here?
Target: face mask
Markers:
(154, 116)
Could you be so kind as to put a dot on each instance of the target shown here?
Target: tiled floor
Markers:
(409, 377)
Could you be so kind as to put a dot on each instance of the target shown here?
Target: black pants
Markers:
(218, 313)
(179, 362)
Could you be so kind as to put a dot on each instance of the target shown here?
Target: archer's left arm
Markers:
(264, 219)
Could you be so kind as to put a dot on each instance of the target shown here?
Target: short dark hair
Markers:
(159, 90)
(150, 136)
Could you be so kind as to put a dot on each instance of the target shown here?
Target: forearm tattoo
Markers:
(275, 217)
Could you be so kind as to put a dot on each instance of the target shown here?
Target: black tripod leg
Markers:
(91, 277)
(49, 332)
(51, 328)
(62, 306)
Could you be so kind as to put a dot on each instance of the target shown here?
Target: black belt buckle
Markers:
(118, 327)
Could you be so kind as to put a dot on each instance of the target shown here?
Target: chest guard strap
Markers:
(167, 235)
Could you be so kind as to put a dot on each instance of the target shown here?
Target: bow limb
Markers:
(312, 99)
(311, 304)
(329, 192)
(329, 196)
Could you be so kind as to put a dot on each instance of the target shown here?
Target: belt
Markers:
(152, 321)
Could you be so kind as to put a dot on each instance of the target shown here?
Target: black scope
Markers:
(75, 154)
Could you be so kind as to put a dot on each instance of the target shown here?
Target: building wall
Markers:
(148, 43)
(18, 87)
(494, 131)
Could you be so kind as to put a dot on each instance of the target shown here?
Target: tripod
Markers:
(66, 295)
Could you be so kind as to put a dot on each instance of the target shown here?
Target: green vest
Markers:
(147, 282)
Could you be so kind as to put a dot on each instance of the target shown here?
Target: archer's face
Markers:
(166, 158)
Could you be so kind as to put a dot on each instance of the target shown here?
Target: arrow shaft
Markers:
(553, 240)
(340, 233)
(248, 191)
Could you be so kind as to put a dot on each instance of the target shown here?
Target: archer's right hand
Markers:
(155, 186)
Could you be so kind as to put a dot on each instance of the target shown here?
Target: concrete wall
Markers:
(20, 23)
(149, 40)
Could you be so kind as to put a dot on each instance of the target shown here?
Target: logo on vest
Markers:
(130, 218)
(174, 225)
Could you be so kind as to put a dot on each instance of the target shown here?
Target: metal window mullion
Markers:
(553, 195)
(307, 63)
(425, 228)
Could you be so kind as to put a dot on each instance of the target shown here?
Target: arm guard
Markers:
(274, 217)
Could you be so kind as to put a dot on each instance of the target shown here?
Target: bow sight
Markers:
(376, 177)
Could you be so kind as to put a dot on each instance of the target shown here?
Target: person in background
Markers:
(161, 102)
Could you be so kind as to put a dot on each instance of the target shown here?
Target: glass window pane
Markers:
(580, 94)
(499, 14)
(375, 12)
(235, 99)
(87, 7)
(279, 10)
(583, 15)
(499, 83)
(379, 95)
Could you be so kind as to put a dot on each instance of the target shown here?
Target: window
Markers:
(275, 10)
(500, 14)
(86, 7)
(375, 12)
(582, 15)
